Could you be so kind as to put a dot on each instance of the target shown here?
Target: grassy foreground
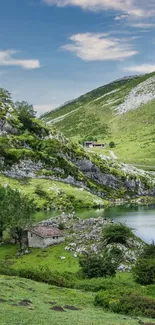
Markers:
(26, 302)
(50, 257)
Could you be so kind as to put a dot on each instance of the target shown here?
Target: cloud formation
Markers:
(7, 59)
(41, 109)
(143, 68)
(99, 47)
(137, 8)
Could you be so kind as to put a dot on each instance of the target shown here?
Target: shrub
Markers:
(41, 192)
(94, 266)
(149, 251)
(144, 271)
(61, 226)
(112, 144)
(127, 302)
(117, 233)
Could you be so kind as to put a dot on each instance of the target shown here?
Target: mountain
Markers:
(56, 172)
(122, 112)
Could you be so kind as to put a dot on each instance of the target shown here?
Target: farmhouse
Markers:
(44, 236)
(94, 144)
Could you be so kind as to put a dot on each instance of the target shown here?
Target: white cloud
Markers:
(142, 25)
(137, 8)
(7, 59)
(41, 109)
(143, 68)
(121, 17)
(94, 46)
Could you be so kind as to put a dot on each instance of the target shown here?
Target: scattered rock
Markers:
(62, 257)
(25, 302)
(58, 308)
(71, 307)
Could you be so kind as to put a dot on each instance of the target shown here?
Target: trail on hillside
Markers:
(112, 154)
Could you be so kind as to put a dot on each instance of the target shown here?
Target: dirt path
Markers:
(112, 154)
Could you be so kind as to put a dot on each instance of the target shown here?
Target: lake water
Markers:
(140, 218)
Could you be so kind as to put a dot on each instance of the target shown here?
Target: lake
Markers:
(140, 218)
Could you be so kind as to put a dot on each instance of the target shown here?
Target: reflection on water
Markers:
(140, 218)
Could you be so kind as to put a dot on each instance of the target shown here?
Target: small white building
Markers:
(44, 236)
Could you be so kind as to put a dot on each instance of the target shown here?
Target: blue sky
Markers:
(52, 51)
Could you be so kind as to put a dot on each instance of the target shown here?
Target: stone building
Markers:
(44, 236)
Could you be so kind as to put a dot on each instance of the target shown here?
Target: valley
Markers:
(40, 165)
(122, 111)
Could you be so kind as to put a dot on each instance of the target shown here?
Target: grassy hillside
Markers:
(57, 172)
(48, 193)
(27, 302)
(122, 111)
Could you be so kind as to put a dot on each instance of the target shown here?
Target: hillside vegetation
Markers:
(27, 302)
(122, 111)
(57, 172)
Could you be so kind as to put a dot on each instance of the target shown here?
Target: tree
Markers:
(21, 211)
(117, 233)
(3, 210)
(112, 144)
(144, 271)
(5, 96)
(94, 266)
(25, 114)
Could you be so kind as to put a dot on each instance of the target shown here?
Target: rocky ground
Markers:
(86, 236)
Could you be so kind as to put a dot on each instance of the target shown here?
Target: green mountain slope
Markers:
(26, 302)
(56, 172)
(122, 111)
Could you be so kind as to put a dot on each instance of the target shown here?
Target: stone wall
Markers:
(39, 242)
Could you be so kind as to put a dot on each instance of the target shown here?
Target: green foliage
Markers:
(25, 114)
(41, 192)
(126, 302)
(88, 138)
(94, 266)
(41, 296)
(20, 214)
(61, 226)
(117, 233)
(16, 212)
(3, 210)
(133, 131)
(148, 251)
(112, 144)
(144, 271)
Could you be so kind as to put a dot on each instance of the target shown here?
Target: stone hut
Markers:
(44, 236)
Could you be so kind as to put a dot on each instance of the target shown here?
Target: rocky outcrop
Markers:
(6, 127)
(25, 168)
(94, 173)
(30, 168)
(86, 236)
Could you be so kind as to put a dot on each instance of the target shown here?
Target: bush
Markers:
(61, 226)
(41, 192)
(149, 251)
(94, 266)
(112, 144)
(144, 271)
(117, 233)
(127, 303)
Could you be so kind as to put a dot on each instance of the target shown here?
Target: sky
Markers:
(52, 51)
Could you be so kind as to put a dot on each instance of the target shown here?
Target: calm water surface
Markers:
(140, 218)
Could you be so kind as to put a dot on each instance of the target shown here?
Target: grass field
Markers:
(50, 257)
(25, 302)
(59, 193)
